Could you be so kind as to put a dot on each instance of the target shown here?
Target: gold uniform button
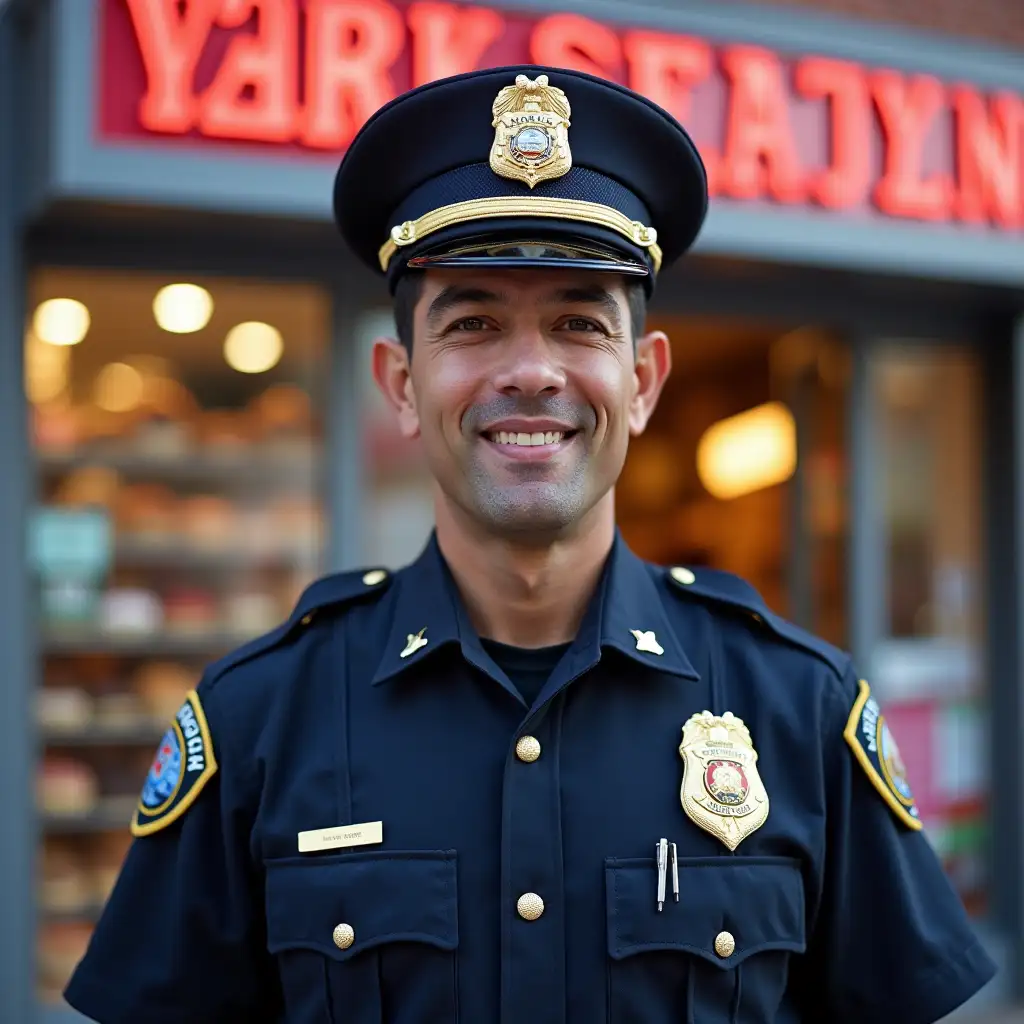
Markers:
(530, 906)
(684, 576)
(306, 619)
(344, 936)
(725, 945)
(374, 576)
(528, 749)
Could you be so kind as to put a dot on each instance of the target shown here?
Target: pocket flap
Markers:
(759, 901)
(382, 897)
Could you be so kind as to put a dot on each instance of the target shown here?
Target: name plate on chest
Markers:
(337, 838)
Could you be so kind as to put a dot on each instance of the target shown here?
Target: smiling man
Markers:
(529, 777)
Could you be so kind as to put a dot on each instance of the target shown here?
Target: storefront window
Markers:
(742, 466)
(177, 436)
(928, 669)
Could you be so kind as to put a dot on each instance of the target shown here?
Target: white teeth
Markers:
(538, 438)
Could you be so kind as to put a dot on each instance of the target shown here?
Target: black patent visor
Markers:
(524, 255)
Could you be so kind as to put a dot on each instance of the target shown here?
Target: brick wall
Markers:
(994, 21)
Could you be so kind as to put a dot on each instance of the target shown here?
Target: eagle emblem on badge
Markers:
(531, 131)
(722, 791)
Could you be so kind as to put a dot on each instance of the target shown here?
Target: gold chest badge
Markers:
(531, 131)
(721, 791)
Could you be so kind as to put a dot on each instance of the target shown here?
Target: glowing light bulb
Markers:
(61, 321)
(253, 347)
(182, 308)
(748, 452)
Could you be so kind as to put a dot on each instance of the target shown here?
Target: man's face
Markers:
(524, 387)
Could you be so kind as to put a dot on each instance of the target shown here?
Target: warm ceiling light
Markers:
(253, 347)
(61, 321)
(747, 452)
(119, 388)
(183, 308)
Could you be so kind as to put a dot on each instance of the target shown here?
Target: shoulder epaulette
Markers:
(328, 593)
(727, 589)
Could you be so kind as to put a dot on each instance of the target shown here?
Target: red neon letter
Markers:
(570, 41)
(350, 47)
(760, 154)
(989, 158)
(170, 46)
(907, 111)
(665, 69)
(449, 40)
(847, 179)
(267, 64)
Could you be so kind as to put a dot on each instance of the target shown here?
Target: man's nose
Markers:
(529, 365)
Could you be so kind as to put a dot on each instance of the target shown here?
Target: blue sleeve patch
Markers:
(183, 764)
(874, 746)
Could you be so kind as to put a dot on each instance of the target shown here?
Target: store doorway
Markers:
(743, 465)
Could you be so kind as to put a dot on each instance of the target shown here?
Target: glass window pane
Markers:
(929, 669)
(178, 514)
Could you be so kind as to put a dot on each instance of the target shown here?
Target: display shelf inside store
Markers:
(134, 553)
(88, 913)
(268, 466)
(97, 735)
(111, 814)
(72, 641)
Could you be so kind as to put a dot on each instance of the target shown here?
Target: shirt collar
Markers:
(626, 612)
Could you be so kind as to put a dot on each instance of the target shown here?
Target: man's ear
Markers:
(390, 363)
(653, 365)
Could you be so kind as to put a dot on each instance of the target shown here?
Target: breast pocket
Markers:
(718, 956)
(366, 938)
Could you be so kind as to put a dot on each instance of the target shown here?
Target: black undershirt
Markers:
(528, 668)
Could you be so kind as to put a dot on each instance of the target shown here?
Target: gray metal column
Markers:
(866, 581)
(1007, 672)
(802, 553)
(345, 441)
(17, 678)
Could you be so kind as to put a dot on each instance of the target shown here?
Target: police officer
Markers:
(529, 777)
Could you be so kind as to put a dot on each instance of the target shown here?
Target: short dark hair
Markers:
(409, 287)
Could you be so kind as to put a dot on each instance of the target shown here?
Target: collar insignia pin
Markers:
(531, 131)
(647, 642)
(413, 642)
(722, 791)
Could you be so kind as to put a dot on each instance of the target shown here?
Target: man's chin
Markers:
(540, 509)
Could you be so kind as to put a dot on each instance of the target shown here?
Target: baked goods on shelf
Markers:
(161, 687)
(66, 786)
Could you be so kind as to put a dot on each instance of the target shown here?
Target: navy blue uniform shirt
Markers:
(516, 877)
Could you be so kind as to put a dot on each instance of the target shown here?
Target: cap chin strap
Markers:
(412, 231)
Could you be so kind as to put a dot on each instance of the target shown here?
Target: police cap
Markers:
(521, 167)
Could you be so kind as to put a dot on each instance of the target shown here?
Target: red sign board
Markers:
(303, 75)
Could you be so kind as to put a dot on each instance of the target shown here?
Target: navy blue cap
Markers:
(521, 167)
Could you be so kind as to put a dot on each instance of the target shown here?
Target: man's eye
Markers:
(469, 323)
(580, 324)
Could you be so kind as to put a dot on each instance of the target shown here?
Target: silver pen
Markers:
(662, 856)
(675, 872)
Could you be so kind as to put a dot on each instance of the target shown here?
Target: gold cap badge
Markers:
(531, 131)
(721, 791)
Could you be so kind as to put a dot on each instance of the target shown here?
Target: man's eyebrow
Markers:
(592, 296)
(457, 295)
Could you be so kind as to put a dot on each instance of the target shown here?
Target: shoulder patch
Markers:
(875, 748)
(725, 588)
(327, 592)
(182, 766)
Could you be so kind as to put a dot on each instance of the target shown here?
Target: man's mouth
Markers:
(534, 440)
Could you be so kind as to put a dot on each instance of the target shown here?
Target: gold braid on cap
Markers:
(520, 206)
